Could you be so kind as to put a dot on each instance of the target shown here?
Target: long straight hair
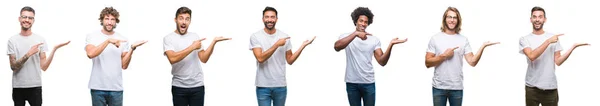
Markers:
(458, 23)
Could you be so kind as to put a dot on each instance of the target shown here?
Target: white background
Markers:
(317, 77)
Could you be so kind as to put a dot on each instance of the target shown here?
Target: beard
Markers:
(267, 25)
(182, 32)
(111, 29)
(539, 23)
(23, 27)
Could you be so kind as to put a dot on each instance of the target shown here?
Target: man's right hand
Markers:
(115, 42)
(34, 49)
(554, 38)
(198, 44)
(281, 41)
(449, 52)
(361, 35)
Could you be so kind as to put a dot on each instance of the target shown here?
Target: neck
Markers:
(26, 32)
(449, 32)
(538, 32)
(270, 32)
(107, 32)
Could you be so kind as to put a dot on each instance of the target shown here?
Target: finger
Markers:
(560, 34)
(368, 33)
(39, 44)
(286, 38)
(455, 48)
(67, 42)
(201, 39)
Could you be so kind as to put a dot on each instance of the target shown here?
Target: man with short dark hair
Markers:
(272, 49)
(185, 52)
(542, 50)
(27, 53)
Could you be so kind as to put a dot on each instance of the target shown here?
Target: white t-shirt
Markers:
(359, 54)
(187, 73)
(30, 74)
(540, 72)
(270, 73)
(106, 69)
(448, 75)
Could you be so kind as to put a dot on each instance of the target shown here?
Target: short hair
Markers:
(537, 8)
(361, 11)
(269, 9)
(109, 11)
(458, 23)
(27, 8)
(183, 10)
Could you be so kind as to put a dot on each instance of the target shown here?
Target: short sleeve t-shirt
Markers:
(270, 73)
(30, 73)
(359, 54)
(187, 73)
(448, 75)
(106, 69)
(540, 72)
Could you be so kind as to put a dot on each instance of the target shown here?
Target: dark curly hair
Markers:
(269, 9)
(361, 11)
(109, 11)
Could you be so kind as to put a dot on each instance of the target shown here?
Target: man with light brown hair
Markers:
(445, 52)
(110, 53)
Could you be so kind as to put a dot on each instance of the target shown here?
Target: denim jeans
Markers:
(107, 98)
(441, 96)
(357, 92)
(265, 95)
(31, 95)
(188, 96)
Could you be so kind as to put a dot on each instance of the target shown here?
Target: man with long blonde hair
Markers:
(445, 52)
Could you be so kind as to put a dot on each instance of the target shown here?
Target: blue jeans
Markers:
(107, 98)
(441, 96)
(265, 95)
(188, 96)
(356, 92)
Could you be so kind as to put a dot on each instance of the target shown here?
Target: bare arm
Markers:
(431, 60)
(46, 61)
(16, 65)
(291, 58)
(204, 55)
(126, 56)
(534, 54)
(95, 50)
(474, 59)
(343, 43)
(560, 59)
(382, 58)
(263, 56)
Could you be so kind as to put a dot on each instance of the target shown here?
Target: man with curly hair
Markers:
(360, 48)
(110, 53)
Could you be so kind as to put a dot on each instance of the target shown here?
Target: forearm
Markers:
(178, 56)
(16, 65)
(538, 51)
(204, 56)
(434, 61)
(564, 57)
(343, 43)
(296, 54)
(45, 64)
(386, 56)
(97, 49)
(476, 57)
(263, 56)
(125, 60)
